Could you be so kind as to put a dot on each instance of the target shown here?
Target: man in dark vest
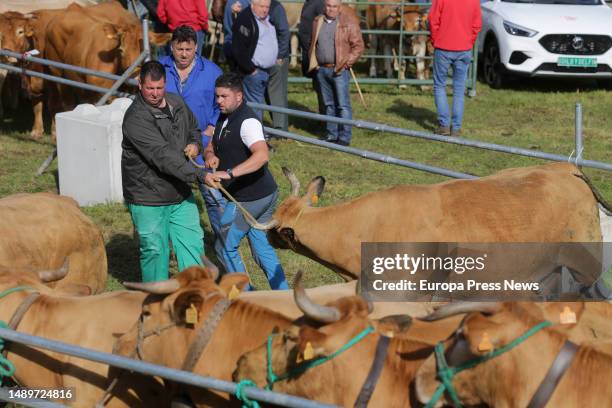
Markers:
(240, 153)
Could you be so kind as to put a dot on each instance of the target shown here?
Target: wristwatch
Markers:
(229, 173)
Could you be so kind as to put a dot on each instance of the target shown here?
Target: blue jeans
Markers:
(234, 228)
(443, 60)
(255, 88)
(337, 100)
(200, 37)
(215, 203)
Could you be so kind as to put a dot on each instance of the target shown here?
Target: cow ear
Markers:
(159, 39)
(310, 342)
(314, 190)
(230, 280)
(186, 303)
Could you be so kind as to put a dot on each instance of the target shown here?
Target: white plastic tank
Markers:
(89, 152)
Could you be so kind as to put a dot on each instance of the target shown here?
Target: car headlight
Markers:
(515, 29)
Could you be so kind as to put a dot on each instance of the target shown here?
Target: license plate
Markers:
(577, 62)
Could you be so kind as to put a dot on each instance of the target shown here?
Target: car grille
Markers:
(576, 44)
(552, 67)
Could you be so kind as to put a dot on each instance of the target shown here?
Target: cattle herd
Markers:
(327, 343)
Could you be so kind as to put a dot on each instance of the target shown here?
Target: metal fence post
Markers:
(400, 52)
(578, 134)
(146, 47)
(474, 71)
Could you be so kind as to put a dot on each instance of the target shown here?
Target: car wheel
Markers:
(493, 70)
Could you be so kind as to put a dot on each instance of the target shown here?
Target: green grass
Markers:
(532, 115)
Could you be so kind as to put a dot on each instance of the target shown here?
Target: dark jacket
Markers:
(154, 169)
(311, 9)
(241, 52)
(231, 151)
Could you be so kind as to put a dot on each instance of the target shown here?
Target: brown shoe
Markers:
(444, 131)
(456, 133)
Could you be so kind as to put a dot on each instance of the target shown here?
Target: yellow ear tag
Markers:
(308, 351)
(191, 314)
(314, 199)
(567, 316)
(233, 293)
(389, 334)
(485, 343)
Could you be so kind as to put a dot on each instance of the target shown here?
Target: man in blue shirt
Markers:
(193, 77)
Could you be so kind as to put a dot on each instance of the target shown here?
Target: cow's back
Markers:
(548, 203)
(39, 231)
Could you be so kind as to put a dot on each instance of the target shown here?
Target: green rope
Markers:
(7, 369)
(246, 401)
(306, 365)
(446, 373)
(14, 289)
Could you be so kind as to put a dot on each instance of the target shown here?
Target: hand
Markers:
(236, 7)
(212, 181)
(209, 130)
(211, 161)
(221, 175)
(191, 150)
(279, 61)
(254, 71)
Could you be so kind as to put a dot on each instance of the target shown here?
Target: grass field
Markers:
(533, 115)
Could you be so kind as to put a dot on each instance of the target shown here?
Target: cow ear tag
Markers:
(191, 314)
(233, 293)
(567, 316)
(314, 199)
(308, 351)
(485, 343)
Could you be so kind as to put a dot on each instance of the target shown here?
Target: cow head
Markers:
(342, 320)
(281, 229)
(16, 33)
(130, 41)
(194, 287)
(487, 327)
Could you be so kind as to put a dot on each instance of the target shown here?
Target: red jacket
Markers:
(454, 24)
(174, 13)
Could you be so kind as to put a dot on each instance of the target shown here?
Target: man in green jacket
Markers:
(159, 130)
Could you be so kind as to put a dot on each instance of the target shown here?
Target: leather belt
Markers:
(328, 65)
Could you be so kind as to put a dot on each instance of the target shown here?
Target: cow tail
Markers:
(607, 208)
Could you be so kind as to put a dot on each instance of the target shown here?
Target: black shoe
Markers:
(342, 143)
(443, 130)
(328, 140)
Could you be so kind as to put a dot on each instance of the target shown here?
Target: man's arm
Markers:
(259, 157)
(311, 9)
(476, 23)
(356, 43)
(161, 11)
(434, 18)
(281, 26)
(242, 33)
(155, 150)
(202, 11)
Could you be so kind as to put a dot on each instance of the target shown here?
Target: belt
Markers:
(328, 65)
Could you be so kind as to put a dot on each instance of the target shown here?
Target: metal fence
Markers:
(138, 366)
(402, 39)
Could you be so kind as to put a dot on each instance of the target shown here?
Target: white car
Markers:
(553, 38)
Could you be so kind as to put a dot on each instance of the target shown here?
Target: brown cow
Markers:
(87, 321)
(339, 380)
(241, 327)
(41, 230)
(549, 203)
(512, 378)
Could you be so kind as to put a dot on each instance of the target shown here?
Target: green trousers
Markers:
(156, 225)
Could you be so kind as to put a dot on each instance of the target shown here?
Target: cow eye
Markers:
(20, 31)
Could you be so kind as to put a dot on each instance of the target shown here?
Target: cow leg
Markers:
(3, 73)
(387, 49)
(36, 91)
(373, 49)
(294, 50)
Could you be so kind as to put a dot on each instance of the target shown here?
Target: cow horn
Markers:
(157, 288)
(263, 227)
(211, 267)
(323, 314)
(295, 183)
(56, 274)
(456, 308)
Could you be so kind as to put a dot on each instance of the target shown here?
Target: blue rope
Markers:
(246, 401)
